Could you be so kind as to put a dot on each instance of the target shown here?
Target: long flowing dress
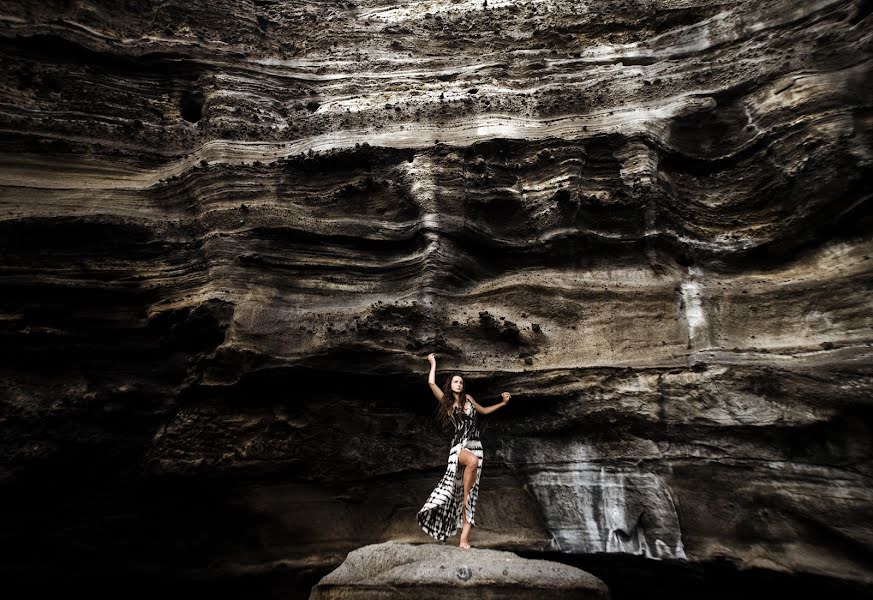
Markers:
(441, 515)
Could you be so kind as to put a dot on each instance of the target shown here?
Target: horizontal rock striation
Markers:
(230, 232)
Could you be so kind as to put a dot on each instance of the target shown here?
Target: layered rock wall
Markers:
(232, 231)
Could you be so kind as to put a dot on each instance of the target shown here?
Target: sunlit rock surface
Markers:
(230, 233)
(423, 571)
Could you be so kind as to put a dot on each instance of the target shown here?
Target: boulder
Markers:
(423, 571)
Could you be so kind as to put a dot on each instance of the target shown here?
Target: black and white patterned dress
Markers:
(441, 515)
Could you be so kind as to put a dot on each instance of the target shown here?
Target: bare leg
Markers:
(469, 478)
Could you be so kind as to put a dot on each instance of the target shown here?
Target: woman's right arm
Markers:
(431, 378)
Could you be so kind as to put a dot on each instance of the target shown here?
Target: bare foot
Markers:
(465, 531)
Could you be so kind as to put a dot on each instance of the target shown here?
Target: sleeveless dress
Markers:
(441, 515)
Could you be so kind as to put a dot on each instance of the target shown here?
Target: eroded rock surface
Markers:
(422, 572)
(230, 233)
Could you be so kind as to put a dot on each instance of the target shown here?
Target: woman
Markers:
(443, 513)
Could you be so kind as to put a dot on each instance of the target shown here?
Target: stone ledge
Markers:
(424, 571)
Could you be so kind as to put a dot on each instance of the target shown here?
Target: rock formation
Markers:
(230, 233)
(393, 570)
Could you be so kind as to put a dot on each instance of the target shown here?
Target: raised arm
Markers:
(431, 378)
(486, 410)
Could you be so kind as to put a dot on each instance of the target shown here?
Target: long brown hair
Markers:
(445, 407)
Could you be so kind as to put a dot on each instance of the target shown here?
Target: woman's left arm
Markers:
(486, 410)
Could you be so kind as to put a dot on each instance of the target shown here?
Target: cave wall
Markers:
(232, 231)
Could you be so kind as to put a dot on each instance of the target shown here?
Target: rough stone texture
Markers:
(230, 232)
(395, 570)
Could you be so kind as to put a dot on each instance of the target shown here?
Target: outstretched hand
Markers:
(431, 358)
(506, 397)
